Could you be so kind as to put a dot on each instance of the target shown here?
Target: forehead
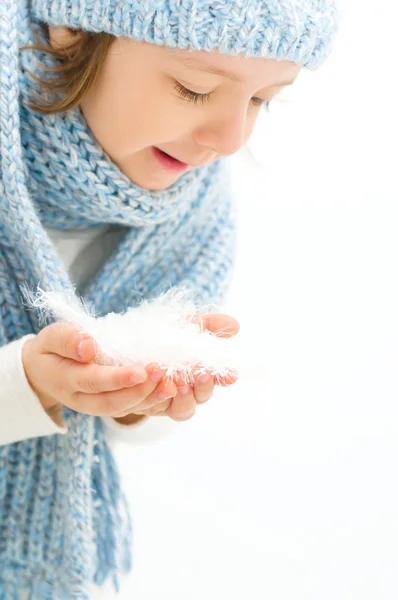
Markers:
(237, 68)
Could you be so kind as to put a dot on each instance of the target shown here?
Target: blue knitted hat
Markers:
(301, 31)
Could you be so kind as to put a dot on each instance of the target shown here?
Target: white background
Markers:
(285, 485)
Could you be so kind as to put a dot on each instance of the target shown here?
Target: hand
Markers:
(182, 406)
(58, 373)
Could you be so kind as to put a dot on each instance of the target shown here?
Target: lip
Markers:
(170, 163)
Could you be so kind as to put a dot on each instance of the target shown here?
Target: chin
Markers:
(154, 184)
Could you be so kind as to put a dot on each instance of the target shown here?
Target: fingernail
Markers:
(203, 378)
(82, 347)
(156, 376)
(184, 390)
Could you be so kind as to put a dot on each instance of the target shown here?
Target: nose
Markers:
(225, 134)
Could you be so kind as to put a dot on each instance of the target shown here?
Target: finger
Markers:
(166, 390)
(182, 381)
(182, 407)
(141, 396)
(222, 325)
(94, 379)
(226, 380)
(158, 409)
(203, 388)
(160, 397)
(64, 339)
(113, 402)
(161, 408)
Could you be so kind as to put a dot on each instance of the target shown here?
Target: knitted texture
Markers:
(301, 31)
(64, 520)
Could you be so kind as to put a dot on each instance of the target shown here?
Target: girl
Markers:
(114, 119)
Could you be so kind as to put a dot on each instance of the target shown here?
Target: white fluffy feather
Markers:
(159, 331)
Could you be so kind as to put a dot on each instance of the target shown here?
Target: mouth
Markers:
(169, 162)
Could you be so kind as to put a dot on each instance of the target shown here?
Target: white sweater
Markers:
(21, 413)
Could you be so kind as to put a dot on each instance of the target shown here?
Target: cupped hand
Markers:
(184, 398)
(61, 370)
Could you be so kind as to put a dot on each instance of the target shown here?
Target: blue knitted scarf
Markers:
(64, 519)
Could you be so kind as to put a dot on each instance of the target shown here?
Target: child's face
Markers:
(134, 106)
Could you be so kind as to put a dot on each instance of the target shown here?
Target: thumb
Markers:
(66, 340)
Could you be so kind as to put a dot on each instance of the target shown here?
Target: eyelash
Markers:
(196, 98)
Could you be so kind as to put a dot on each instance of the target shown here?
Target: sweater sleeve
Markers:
(22, 415)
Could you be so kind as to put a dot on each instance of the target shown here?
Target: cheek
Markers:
(137, 118)
(126, 117)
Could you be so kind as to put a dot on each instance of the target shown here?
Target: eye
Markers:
(196, 98)
(263, 104)
(189, 95)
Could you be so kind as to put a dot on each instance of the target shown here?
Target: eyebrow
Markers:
(198, 64)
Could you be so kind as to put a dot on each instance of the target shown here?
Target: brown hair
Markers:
(79, 65)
